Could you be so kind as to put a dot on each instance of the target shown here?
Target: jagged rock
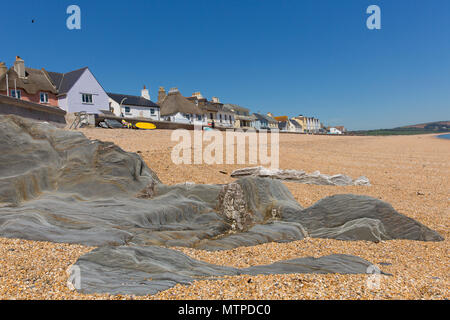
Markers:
(301, 176)
(233, 206)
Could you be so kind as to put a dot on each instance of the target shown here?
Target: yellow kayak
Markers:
(145, 125)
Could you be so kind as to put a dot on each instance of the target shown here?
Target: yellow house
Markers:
(301, 120)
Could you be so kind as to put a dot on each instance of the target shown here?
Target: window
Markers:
(16, 94)
(127, 110)
(44, 97)
(199, 117)
(152, 111)
(87, 98)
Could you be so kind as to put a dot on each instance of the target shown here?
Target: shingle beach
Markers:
(409, 172)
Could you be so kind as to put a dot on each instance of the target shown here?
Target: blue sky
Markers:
(312, 57)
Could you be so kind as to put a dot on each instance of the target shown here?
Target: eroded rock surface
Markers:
(37, 157)
(301, 176)
(148, 270)
(58, 186)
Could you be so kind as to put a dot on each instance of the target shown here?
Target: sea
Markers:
(444, 136)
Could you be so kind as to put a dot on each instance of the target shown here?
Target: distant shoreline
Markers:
(444, 136)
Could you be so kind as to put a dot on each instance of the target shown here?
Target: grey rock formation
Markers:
(58, 186)
(301, 176)
(37, 157)
(232, 205)
(148, 270)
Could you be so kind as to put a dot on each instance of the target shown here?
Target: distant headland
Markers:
(422, 128)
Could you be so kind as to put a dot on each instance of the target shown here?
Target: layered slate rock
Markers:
(37, 157)
(58, 186)
(300, 176)
(148, 270)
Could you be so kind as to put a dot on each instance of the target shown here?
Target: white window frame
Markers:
(84, 97)
(46, 97)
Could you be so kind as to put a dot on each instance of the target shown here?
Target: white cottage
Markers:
(79, 91)
(335, 131)
(176, 108)
(128, 106)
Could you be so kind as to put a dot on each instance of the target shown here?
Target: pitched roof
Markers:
(265, 118)
(65, 81)
(260, 117)
(282, 118)
(132, 100)
(295, 123)
(35, 81)
(235, 107)
(210, 107)
(174, 102)
(271, 119)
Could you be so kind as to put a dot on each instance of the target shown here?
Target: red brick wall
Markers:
(52, 100)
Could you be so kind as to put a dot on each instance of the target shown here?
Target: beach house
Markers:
(130, 106)
(176, 108)
(210, 109)
(341, 129)
(261, 122)
(242, 117)
(216, 114)
(296, 126)
(225, 117)
(287, 125)
(333, 130)
(313, 125)
(273, 123)
(79, 90)
(24, 83)
(301, 120)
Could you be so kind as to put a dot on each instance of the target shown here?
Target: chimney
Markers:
(215, 100)
(173, 90)
(198, 95)
(3, 69)
(161, 94)
(19, 67)
(145, 94)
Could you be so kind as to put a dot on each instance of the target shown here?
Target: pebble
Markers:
(37, 270)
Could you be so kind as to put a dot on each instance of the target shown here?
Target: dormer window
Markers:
(43, 97)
